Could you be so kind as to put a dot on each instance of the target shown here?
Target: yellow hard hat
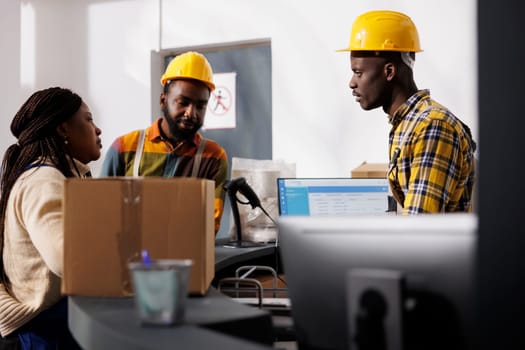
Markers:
(189, 65)
(383, 31)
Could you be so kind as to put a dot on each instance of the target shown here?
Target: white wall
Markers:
(101, 49)
(9, 68)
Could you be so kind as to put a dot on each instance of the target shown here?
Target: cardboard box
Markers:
(370, 170)
(108, 221)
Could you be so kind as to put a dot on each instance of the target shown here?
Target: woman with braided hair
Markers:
(56, 139)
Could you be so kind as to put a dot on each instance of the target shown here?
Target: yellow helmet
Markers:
(189, 65)
(383, 31)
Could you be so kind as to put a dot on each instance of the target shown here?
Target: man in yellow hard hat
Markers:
(172, 145)
(431, 150)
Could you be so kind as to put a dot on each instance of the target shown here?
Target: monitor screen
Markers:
(332, 196)
(380, 282)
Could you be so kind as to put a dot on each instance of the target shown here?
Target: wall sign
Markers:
(221, 112)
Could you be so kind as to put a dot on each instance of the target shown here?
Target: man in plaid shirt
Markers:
(432, 163)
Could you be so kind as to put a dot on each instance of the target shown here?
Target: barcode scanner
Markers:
(232, 187)
(240, 185)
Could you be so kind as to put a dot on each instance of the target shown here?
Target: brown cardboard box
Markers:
(370, 170)
(108, 221)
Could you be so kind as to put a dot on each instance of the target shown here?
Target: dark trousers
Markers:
(48, 330)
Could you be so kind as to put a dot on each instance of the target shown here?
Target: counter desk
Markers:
(212, 321)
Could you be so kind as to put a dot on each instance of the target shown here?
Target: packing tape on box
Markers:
(129, 240)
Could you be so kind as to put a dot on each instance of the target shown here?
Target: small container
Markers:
(161, 289)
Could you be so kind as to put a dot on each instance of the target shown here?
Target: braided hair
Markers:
(35, 127)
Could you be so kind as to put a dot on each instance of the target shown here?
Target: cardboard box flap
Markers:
(178, 214)
(89, 248)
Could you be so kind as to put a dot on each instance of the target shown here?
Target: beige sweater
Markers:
(33, 245)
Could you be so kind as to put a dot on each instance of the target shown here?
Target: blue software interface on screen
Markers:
(332, 196)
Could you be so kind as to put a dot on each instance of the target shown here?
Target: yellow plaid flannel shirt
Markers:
(435, 167)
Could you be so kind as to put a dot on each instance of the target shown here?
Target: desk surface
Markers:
(213, 321)
(228, 256)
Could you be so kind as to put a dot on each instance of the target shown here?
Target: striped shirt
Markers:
(160, 158)
(434, 170)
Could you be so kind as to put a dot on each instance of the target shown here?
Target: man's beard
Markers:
(177, 132)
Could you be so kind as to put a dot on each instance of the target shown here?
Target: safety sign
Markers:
(221, 112)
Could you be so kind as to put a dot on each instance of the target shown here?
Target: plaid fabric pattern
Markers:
(160, 158)
(435, 170)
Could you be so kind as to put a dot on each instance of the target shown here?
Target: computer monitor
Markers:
(380, 282)
(332, 196)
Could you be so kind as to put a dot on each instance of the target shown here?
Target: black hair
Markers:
(405, 73)
(35, 126)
